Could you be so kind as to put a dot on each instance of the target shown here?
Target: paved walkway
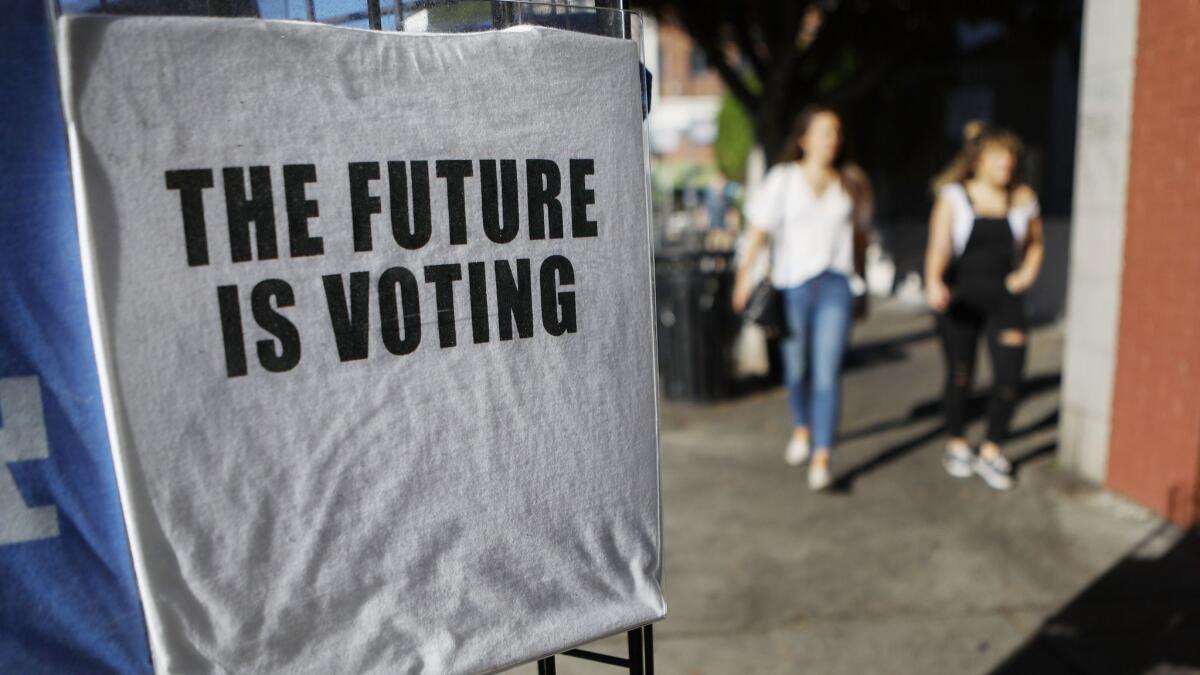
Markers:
(903, 569)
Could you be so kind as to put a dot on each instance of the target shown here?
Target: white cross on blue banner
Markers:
(68, 603)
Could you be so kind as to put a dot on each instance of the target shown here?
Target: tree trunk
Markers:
(770, 136)
(773, 122)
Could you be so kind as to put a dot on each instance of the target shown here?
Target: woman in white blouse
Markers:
(813, 208)
(985, 251)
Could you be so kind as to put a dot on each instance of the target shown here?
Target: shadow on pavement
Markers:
(976, 407)
(861, 355)
(1040, 451)
(928, 409)
(1142, 616)
(866, 354)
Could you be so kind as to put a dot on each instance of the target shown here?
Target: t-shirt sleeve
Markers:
(950, 192)
(1031, 209)
(764, 208)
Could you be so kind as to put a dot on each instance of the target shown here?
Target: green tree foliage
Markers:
(735, 138)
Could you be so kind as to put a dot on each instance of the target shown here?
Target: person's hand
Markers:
(741, 295)
(1017, 282)
(937, 295)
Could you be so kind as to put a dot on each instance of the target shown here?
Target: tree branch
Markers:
(707, 37)
(748, 47)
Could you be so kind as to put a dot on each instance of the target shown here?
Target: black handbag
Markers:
(765, 307)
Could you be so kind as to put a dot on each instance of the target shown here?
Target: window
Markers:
(699, 64)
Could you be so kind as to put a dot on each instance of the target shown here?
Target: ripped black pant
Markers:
(1000, 317)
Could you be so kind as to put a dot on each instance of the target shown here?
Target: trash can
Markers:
(696, 325)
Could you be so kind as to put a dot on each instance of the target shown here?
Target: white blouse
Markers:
(810, 233)
(964, 217)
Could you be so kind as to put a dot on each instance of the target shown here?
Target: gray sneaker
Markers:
(957, 462)
(996, 472)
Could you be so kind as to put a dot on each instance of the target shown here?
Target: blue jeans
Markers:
(818, 315)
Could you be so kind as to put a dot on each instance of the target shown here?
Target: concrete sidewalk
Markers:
(902, 569)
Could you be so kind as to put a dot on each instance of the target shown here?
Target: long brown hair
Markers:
(977, 137)
(852, 177)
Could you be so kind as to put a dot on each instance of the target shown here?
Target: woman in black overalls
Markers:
(985, 250)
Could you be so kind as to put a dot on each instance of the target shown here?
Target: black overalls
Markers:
(980, 303)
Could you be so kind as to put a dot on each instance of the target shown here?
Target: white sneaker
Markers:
(819, 477)
(996, 472)
(957, 462)
(797, 452)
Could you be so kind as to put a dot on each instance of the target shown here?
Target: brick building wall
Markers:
(687, 95)
(1154, 452)
(683, 71)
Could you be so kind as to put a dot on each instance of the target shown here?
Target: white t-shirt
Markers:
(809, 233)
(277, 520)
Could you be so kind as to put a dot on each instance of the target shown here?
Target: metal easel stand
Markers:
(639, 662)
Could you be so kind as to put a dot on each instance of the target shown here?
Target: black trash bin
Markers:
(696, 325)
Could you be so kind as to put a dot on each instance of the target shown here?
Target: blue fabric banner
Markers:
(68, 602)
